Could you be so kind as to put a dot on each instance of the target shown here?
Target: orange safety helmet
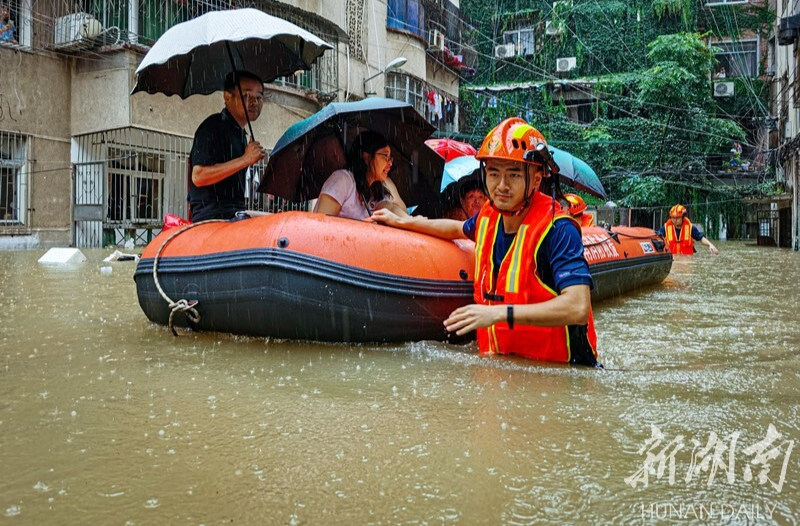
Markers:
(510, 140)
(677, 211)
(576, 204)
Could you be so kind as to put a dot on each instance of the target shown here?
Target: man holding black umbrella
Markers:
(221, 154)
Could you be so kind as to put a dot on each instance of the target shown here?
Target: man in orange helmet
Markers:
(577, 207)
(532, 282)
(680, 234)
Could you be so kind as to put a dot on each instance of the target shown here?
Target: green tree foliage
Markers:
(654, 123)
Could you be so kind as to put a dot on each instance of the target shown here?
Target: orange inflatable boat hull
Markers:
(622, 259)
(299, 275)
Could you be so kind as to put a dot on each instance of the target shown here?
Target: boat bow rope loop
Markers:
(185, 306)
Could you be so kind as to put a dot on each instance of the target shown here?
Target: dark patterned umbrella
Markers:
(310, 150)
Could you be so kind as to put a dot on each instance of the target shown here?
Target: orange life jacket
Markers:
(517, 281)
(679, 245)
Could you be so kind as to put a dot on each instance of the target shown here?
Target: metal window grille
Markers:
(400, 86)
(355, 27)
(268, 202)
(84, 24)
(739, 57)
(13, 184)
(524, 40)
(125, 181)
(19, 33)
(407, 89)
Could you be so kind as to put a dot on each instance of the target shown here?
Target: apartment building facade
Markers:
(83, 163)
(786, 107)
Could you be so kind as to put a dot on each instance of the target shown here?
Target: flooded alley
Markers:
(109, 419)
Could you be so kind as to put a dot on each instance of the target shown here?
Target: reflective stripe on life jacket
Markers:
(684, 244)
(517, 281)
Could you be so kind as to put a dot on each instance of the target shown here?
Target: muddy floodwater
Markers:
(106, 418)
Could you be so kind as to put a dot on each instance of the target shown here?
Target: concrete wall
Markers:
(402, 45)
(442, 78)
(34, 93)
(35, 100)
(100, 93)
(789, 116)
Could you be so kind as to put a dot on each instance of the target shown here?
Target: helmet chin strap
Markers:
(525, 204)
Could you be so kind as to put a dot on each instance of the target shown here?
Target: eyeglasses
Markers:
(387, 156)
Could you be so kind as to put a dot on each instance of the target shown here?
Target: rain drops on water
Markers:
(41, 486)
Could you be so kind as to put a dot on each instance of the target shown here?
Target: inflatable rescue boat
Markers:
(299, 275)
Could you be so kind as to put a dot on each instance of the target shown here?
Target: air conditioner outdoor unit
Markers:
(552, 29)
(566, 64)
(505, 51)
(437, 40)
(76, 30)
(723, 89)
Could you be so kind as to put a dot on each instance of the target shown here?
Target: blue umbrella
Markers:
(573, 171)
(310, 150)
(458, 169)
(577, 173)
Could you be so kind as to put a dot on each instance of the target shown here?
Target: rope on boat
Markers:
(182, 305)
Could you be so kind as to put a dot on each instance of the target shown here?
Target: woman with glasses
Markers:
(364, 185)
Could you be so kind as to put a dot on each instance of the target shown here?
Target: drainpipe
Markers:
(133, 21)
(795, 209)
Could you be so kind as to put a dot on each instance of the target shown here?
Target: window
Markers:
(442, 113)
(739, 58)
(764, 227)
(12, 178)
(135, 186)
(407, 89)
(17, 30)
(406, 15)
(523, 40)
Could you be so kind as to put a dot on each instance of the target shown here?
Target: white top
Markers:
(341, 186)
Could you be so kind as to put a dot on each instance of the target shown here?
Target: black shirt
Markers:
(217, 140)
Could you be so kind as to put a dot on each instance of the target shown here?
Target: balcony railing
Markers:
(96, 24)
(447, 50)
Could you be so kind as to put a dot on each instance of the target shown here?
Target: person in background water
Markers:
(577, 207)
(221, 154)
(532, 283)
(470, 200)
(681, 234)
(7, 28)
(364, 186)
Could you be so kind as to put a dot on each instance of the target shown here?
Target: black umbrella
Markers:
(194, 57)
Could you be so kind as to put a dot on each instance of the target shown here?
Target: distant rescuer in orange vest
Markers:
(577, 207)
(680, 234)
(532, 282)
